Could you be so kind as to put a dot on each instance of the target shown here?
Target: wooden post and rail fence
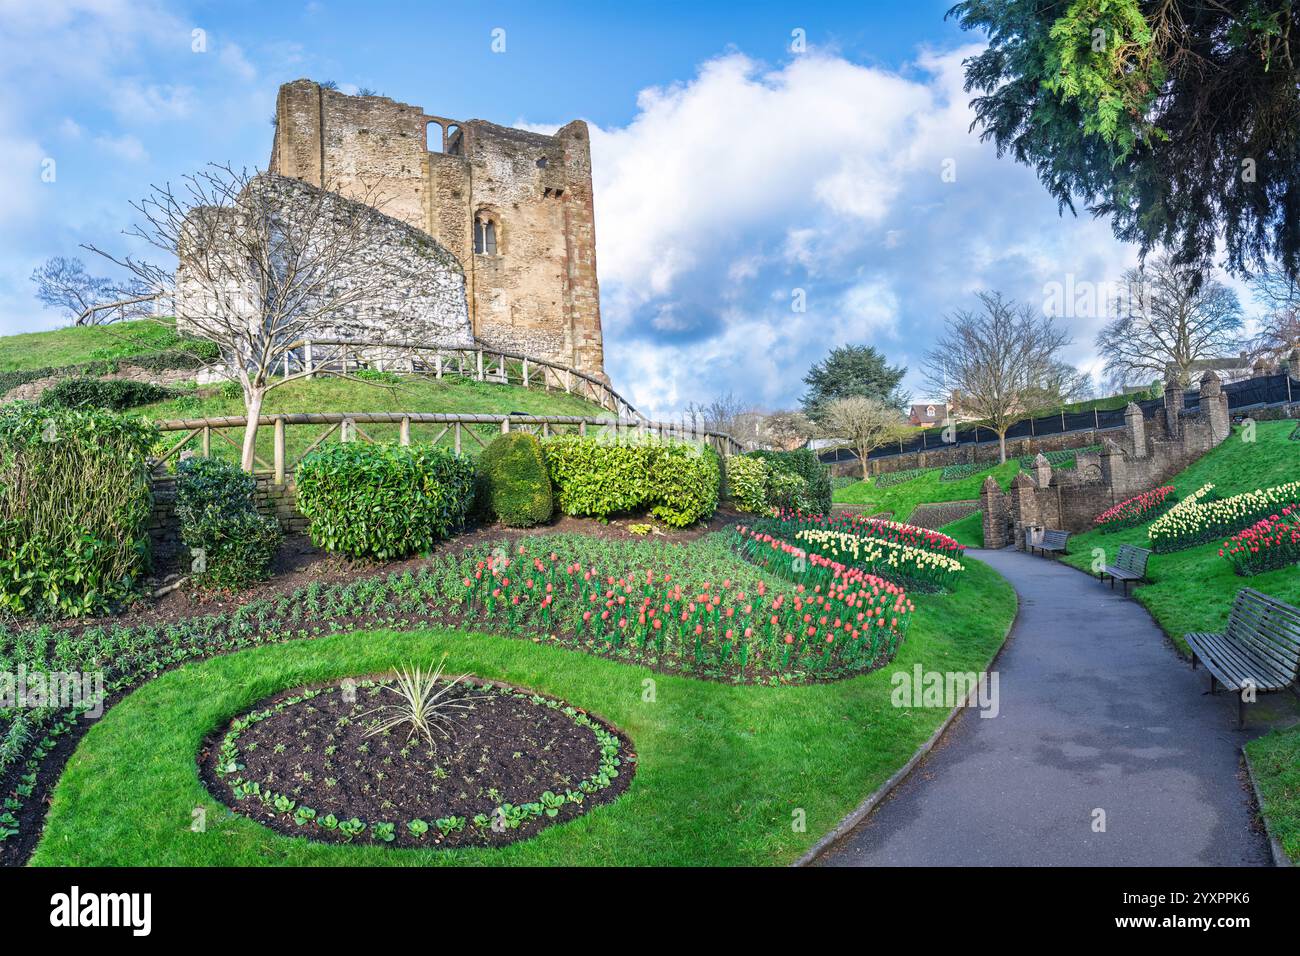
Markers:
(464, 431)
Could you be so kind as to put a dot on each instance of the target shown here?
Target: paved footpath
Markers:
(1096, 712)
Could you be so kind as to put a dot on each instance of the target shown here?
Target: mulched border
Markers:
(222, 785)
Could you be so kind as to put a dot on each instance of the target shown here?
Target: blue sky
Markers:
(733, 176)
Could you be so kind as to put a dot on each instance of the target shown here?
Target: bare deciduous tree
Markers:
(994, 358)
(730, 415)
(864, 424)
(65, 284)
(1280, 325)
(1178, 315)
(263, 263)
(788, 429)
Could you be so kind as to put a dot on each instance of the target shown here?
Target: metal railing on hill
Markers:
(1261, 392)
(459, 432)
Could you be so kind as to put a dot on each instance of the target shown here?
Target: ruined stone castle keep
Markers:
(513, 207)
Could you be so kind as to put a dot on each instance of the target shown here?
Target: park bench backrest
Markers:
(1132, 559)
(1270, 628)
(1055, 539)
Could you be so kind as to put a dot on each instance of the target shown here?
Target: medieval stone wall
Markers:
(416, 288)
(536, 292)
(1142, 455)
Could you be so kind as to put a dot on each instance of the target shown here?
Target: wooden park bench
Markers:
(1053, 541)
(1260, 648)
(1130, 565)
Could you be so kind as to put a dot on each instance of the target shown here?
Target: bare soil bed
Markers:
(514, 763)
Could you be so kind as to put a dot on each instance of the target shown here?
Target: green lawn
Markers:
(968, 530)
(409, 394)
(1192, 590)
(722, 770)
(928, 488)
(76, 345)
(1275, 760)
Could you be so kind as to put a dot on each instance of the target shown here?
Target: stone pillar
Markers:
(1114, 472)
(1174, 405)
(1135, 427)
(993, 502)
(1293, 364)
(1214, 406)
(1262, 368)
(1042, 470)
(1024, 508)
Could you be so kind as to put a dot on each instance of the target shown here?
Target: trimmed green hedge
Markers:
(230, 544)
(74, 509)
(677, 481)
(516, 480)
(804, 463)
(115, 394)
(747, 480)
(383, 501)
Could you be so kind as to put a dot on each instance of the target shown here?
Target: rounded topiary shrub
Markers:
(231, 545)
(115, 394)
(517, 484)
(383, 501)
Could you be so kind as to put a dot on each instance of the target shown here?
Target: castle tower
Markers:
(516, 208)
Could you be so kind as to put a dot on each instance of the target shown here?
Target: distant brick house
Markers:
(928, 413)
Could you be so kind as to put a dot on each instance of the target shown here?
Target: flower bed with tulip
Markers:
(699, 610)
(1136, 510)
(1269, 544)
(914, 567)
(895, 532)
(1201, 518)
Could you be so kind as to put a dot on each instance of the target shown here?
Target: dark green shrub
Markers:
(230, 544)
(677, 481)
(747, 480)
(518, 485)
(383, 501)
(114, 394)
(74, 508)
(804, 463)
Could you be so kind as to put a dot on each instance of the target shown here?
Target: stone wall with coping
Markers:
(1142, 455)
(166, 551)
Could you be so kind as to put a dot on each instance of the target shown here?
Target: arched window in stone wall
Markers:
(485, 234)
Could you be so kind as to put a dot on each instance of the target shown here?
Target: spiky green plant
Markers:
(423, 705)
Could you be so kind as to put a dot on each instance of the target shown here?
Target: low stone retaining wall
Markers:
(278, 501)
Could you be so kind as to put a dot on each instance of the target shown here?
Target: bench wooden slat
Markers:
(1237, 664)
(1260, 646)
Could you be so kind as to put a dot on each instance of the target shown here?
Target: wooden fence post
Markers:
(458, 438)
(207, 441)
(279, 450)
(480, 365)
(437, 366)
(525, 373)
(311, 369)
(505, 425)
(404, 432)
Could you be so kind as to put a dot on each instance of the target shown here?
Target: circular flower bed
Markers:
(330, 764)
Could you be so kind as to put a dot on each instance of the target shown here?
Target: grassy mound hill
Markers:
(98, 350)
